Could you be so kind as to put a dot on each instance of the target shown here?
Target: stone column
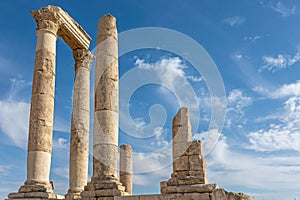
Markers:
(126, 167)
(105, 139)
(42, 105)
(106, 101)
(79, 144)
(37, 184)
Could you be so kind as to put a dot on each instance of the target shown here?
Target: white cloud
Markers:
(14, 118)
(287, 90)
(173, 82)
(234, 21)
(284, 135)
(279, 62)
(276, 137)
(14, 114)
(237, 101)
(195, 79)
(160, 137)
(60, 143)
(284, 10)
(267, 173)
(149, 168)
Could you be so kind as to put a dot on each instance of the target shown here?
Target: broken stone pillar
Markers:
(126, 167)
(189, 166)
(105, 142)
(42, 108)
(181, 133)
(79, 144)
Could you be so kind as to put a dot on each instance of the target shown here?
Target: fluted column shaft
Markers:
(105, 144)
(79, 144)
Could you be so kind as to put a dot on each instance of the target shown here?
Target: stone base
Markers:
(187, 180)
(199, 188)
(31, 187)
(34, 196)
(72, 195)
(103, 188)
(34, 190)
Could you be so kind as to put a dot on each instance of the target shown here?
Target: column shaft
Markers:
(105, 181)
(126, 167)
(79, 143)
(106, 101)
(42, 106)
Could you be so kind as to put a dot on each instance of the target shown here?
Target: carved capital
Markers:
(83, 58)
(47, 18)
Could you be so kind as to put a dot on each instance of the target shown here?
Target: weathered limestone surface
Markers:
(181, 133)
(220, 193)
(42, 108)
(189, 166)
(126, 167)
(51, 20)
(80, 124)
(106, 100)
(69, 30)
(105, 181)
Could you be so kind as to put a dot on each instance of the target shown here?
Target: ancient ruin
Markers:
(189, 178)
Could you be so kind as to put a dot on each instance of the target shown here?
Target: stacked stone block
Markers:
(189, 166)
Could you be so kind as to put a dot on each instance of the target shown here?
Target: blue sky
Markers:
(256, 48)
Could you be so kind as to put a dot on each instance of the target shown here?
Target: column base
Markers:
(34, 196)
(34, 190)
(73, 195)
(103, 188)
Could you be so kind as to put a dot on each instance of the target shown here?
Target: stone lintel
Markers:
(69, 30)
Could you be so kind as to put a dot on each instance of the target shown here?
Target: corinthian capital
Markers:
(83, 58)
(47, 18)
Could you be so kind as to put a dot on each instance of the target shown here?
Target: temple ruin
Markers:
(189, 178)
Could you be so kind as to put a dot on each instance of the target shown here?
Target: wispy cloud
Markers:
(4, 170)
(234, 21)
(61, 171)
(284, 131)
(282, 135)
(229, 167)
(282, 9)
(237, 101)
(279, 62)
(170, 75)
(253, 38)
(14, 113)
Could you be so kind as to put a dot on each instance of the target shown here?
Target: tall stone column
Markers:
(42, 108)
(126, 167)
(105, 141)
(79, 144)
(106, 101)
